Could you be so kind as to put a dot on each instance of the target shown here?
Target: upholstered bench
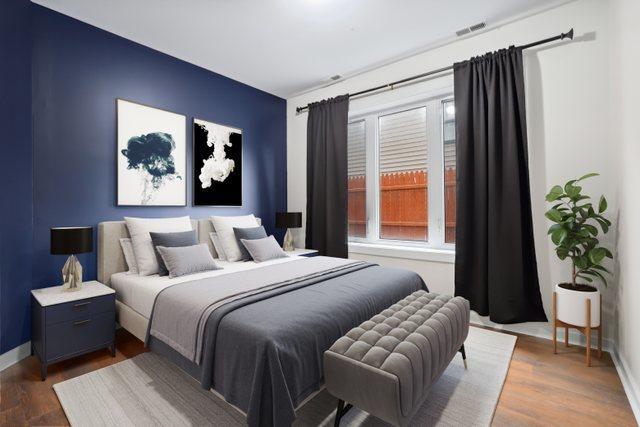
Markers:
(386, 365)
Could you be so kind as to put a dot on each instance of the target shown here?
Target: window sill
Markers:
(406, 252)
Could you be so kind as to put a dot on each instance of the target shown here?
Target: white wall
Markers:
(625, 71)
(568, 116)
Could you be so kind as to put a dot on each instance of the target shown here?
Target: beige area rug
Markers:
(147, 390)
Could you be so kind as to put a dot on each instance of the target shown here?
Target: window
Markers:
(356, 152)
(401, 166)
(449, 143)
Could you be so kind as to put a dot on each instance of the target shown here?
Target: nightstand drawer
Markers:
(80, 309)
(66, 338)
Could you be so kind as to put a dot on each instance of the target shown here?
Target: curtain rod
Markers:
(561, 36)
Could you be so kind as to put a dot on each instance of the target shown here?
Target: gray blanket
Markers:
(263, 352)
(180, 312)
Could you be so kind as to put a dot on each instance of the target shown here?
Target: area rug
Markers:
(148, 390)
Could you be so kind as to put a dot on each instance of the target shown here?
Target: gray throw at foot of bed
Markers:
(263, 352)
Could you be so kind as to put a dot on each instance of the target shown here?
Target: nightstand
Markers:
(66, 324)
(303, 252)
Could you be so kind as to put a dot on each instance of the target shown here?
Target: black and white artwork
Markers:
(217, 164)
(151, 156)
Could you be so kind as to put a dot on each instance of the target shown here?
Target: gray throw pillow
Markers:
(171, 240)
(264, 249)
(185, 260)
(251, 233)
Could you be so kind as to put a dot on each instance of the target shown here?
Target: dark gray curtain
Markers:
(496, 267)
(327, 176)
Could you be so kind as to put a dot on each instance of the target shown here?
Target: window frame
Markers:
(434, 104)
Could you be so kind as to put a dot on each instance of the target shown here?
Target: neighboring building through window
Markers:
(402, 175)
(356, 158)
(449, 142)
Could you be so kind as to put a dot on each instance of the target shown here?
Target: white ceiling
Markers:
(287, 46)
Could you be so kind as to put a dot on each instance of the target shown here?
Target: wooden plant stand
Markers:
(586, 330)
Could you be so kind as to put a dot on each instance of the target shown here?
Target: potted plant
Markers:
(575, 231)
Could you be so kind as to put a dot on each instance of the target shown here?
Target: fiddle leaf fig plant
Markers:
(577, 224)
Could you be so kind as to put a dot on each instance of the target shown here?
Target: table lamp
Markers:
(71, 241)
(288, 220)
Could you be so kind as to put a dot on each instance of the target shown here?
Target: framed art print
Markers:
(217, 164)
(151, 156)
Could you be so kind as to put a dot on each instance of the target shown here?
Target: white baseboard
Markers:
(15, 355)
(631, 387)
(543, 331)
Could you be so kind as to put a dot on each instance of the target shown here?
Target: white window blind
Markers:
(356, 149)
(403, 141)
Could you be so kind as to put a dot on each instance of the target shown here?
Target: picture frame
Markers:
(216, 164)
(151, 154)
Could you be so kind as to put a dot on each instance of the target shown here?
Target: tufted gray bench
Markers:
(386, 365)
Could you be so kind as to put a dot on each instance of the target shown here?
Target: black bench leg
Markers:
(342, 409)
(464, 356)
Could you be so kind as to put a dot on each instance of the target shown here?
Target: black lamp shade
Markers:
(288, 219)
(71, 240)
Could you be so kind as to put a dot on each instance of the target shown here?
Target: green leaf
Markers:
(605, 220)
(572, 191)
(584, 233)
(603, 225)
(588, 279)
(554, 227)
(589, 175)
(559, 236)
(595, 274)
(554, 215)
(602, 206)
(562, 253)
(555, 193)
(591, 229)
(600, 268)
(580, 262)
(597, 255)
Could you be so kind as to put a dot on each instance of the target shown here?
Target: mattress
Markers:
(139, 292)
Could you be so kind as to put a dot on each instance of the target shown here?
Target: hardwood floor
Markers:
(541, 389)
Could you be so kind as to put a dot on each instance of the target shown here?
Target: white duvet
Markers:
(139, 292)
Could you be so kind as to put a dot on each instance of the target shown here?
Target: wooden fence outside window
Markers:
(404, 206)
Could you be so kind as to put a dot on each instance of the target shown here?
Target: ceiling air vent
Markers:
(475, 27)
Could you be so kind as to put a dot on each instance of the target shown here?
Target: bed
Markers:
(260, 346)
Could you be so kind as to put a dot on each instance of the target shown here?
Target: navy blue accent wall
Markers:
(16, 193)
(78, 71)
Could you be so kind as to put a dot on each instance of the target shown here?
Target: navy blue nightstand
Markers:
(303, 252)
(67, 324)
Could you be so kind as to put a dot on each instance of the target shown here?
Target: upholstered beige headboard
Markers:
(110, 256)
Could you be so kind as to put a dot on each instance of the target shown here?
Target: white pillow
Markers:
(224, 228)
(218, 246)
(139, 229)
(129, 256)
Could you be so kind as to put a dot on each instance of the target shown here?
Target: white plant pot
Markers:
(571, 307)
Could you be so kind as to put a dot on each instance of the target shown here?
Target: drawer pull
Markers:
(81, 304)
(81, 322)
